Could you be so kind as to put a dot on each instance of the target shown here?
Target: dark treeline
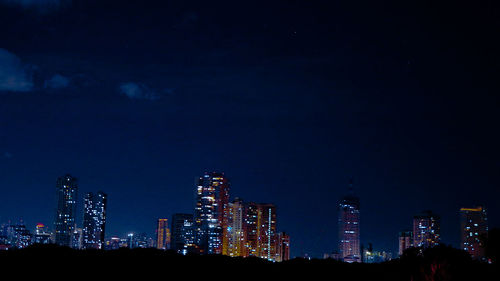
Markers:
(438, 263)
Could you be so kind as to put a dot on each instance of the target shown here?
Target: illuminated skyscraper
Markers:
(162, 235)
(234, 243)
(260, 238)
(426, 230)
(211, 212)
(349, 237)
(405, 241)
(66, 209)
(182, 233)
(283, 247)
(474, 227)
(266, 230)
(251, 229)
(94, 220)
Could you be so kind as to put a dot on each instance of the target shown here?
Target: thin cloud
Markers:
(14, 76)
(56, 82)
(138, 91)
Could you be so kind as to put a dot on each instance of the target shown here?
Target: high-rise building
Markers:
(162, 235)
(182, 233)
(251, 229)
(349, 236)
(283, 247)
(234, 243)
(94, 220)
(66, 209)
(259, 231)
(42, 234)
(426, 230)
(266, 246)
(405, 240)
(211, 212)
(474, 228)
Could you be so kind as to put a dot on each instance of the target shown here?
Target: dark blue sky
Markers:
(288, 98)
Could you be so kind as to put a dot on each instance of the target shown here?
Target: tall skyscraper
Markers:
(251, 230)
(283, 247)
(211, 212)
(266, 248)
(426, 229)
(162, 235)
(405, 241)
(474, 227)
(66, 209)
(182, 233)
(349, 236)
(260, 237)
(94, 220)
(234, 243)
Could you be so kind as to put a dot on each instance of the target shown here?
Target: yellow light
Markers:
(478, 209)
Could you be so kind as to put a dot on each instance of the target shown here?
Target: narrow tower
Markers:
(349, 238)
(66, 209)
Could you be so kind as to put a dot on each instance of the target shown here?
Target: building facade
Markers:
(42, 234)
(267, 236)
(67, 188)
(234, 244)
(162, 234)
(474, 229)
(251, 230)
(349, 231)
(211, 213)
(94, 220)
(283, 247)
(426, 230)
(405, 241)
(182, 240)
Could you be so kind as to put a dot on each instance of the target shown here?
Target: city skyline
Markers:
(290, 99)
(239, 228)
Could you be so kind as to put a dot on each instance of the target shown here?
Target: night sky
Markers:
(288, 98)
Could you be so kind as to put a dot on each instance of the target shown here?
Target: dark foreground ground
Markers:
(442, 263)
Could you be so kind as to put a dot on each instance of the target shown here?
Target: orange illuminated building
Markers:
(162, 235)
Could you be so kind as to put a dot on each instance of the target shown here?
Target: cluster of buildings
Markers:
(426, 231)
(220, 226)
(234, 228)
(217, 225)
(66, 232)
(18, 236)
